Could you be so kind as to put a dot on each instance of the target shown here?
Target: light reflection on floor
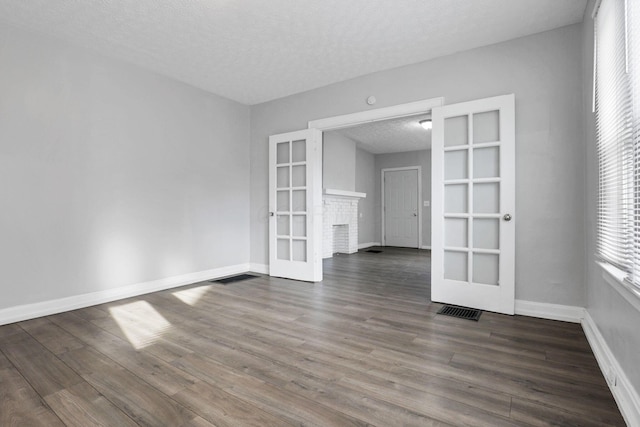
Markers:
(192, 295)
(140, 322)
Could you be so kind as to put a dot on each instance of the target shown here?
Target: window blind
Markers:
(613, 107)
(633, 38)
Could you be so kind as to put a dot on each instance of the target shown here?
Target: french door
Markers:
(473, 214)
(295, 205)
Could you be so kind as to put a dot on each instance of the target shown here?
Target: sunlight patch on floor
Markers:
(192, 296)
(140, 322)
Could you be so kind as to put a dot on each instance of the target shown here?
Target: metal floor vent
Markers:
(374, 251)
(461, 312)
(233, 279)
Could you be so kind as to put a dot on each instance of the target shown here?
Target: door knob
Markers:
(507, 217)
(271, 213)
(415, 214)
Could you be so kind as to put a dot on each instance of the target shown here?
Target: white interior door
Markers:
(400, 207)
(473, 225)
(295, 205)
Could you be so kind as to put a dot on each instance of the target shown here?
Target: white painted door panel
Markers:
(473, 218)
(401, 207)
(295, 205)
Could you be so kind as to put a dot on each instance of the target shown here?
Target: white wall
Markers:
(366, 183)
(544, 71)
(338, 162)
(420, 158)
(111, 175)
(616, 318)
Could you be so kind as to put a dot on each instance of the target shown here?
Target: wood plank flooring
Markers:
(363, 348)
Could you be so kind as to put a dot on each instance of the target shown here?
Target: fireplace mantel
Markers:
(343, 193)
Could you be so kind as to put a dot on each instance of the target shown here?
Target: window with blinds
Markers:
(617, 108)
(633, 40)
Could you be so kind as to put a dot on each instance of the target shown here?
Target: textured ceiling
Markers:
(257, 50)
(390, 136)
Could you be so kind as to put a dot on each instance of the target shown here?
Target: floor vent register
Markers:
(461, 312)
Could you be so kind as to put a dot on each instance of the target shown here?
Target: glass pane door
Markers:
(473, 161)
(295, 190)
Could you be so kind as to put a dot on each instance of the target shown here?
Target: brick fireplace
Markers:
(340, 222)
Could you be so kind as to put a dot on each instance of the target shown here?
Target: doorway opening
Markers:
(295, 190)
(357, 148)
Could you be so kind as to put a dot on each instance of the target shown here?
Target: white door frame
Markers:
(382, 201)
(375, 115)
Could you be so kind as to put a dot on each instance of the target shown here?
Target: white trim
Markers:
(595, 61)
(46, 308)
(369, 116)
(368, 245)
(616, 279)
(343, 193)
(596, 7)
(425, 247)
(419, 206)
(566, 313)
(624, 393)
(259, 268)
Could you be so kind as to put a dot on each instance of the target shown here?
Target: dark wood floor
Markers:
(364, 347)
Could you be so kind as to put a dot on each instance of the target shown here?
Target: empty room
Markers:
(320, 213)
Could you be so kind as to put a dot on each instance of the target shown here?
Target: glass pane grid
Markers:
(299, 250)
(299, 176)
(283, 249)
(456, 198)
(282, 175)
(291, 196)
(456, 165)
(486, 144)
(486, 127)
(299, 200)
(282, 223)
(282, 201)
(282, 152)
(299, 151)
(486, 162)
(456, 266)
(455, 232)
(484, 180)
(486, 198)
(486, 233)
(472, 198)
(456, 131)
(299, 226)
(485, 268)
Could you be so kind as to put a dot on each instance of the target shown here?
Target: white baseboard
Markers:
(259, 268)
(566, 313)
(624, 393)
(367, 245)
(46, 308)
(426, 247)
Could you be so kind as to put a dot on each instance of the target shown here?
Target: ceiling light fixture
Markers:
(426, 124)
